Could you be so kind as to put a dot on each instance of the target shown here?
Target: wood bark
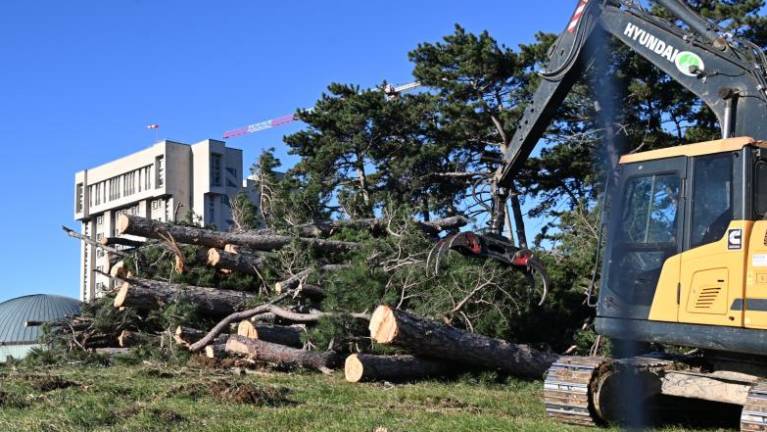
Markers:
(259, 350)
(144, 294)
(430, 339)
(282, 335)
(241, 263)
(135, 225)
(368, 367)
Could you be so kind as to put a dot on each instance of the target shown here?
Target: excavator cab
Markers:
(686, 256)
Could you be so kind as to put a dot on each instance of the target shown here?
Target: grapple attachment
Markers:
(491, 246)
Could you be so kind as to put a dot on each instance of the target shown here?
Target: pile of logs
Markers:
(273, 332)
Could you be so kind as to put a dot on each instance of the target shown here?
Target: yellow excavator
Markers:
(685, 257)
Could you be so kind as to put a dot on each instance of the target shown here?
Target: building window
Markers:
(114, 188)
(215, 169)
(155, 204)
(100, 220)
(147, 178)
(159, 165)
(129, 183)
(211, 209)
(80, 198)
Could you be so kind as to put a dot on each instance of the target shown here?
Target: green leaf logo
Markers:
(689, 63)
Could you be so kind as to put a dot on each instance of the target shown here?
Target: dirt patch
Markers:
(166, 416)
(155, 373)
(236, 392)
(50, 383)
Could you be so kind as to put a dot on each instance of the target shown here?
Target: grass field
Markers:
(154, 398)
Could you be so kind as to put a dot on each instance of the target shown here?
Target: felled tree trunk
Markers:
(241, 263)
(216, 351)
(430, 339)
(269, 352)
(367, 367)
(186, 336)
(145, 294)
(122, 241)
(127, 339)
(135, 225)
(282, 335)
(434, 227)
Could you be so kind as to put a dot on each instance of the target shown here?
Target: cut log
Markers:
(292, 282)
(367, 367)
(283, 335)
(262, 310)
(119, 270)
(127, 339)
(216, 351)
(452, 223)
(143, 227)
(144, 294)
(259, 350)
(111, 351)
(186, 336)
(241, 263)
(430, 339)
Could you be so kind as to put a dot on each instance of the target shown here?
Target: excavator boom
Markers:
(727, 75)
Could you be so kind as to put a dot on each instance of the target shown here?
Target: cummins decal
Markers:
(735, 239)
(687, 62)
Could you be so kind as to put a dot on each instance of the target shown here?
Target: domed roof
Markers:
(21, 318)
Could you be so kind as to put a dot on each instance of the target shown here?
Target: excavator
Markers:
(684, 263)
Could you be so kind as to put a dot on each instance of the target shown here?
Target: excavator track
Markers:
(754, 414)
(567, 393)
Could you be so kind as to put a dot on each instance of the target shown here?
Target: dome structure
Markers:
(21, 321)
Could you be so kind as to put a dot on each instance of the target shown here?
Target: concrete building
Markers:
(164, 182)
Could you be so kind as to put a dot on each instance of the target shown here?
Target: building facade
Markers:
(164, 182)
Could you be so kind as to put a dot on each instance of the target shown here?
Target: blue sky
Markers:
(81, 80)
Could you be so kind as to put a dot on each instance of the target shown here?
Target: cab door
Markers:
(714, 261)
(646, 229)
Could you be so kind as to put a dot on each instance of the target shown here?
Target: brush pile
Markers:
(317, 296)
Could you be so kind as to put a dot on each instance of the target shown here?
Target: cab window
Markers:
(712, 201)
(650, 213)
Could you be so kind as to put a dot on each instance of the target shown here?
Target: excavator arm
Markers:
(726, 74)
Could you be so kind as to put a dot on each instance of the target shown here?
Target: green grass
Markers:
(153, 398)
